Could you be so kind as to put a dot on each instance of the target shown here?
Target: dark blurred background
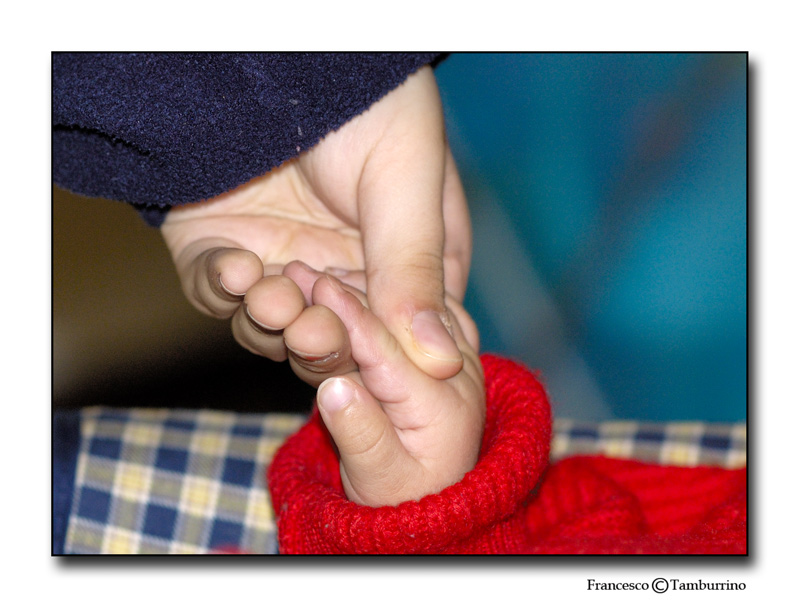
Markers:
(609, 202)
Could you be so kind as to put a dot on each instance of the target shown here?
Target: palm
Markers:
(279, 217)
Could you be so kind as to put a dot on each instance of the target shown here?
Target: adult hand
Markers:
(378, 202)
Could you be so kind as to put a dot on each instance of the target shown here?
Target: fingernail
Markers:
(334, 394)
(303, 265)
(226, 290)
(315, 360)
(334, 282)
(258, 324)
(337, 272)
(433, 338)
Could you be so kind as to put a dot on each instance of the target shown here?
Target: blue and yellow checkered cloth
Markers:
(165, 481)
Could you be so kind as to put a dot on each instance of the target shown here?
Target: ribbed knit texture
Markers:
(162, 129)
(512, 502)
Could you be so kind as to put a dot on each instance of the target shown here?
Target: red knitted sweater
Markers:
(513, 501)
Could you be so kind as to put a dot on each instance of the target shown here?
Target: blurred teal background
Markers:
(609, 203)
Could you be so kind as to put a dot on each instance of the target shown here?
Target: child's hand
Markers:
(400, 433)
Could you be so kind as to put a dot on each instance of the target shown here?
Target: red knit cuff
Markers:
(480, 514)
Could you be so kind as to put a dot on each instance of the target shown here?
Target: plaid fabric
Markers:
(182, 481)
(174, 481)
(675, 443)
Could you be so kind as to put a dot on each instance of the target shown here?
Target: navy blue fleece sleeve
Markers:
(161, 129)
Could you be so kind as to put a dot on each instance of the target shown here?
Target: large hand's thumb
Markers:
(401, 210)
(406, 291)
(408, 301)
